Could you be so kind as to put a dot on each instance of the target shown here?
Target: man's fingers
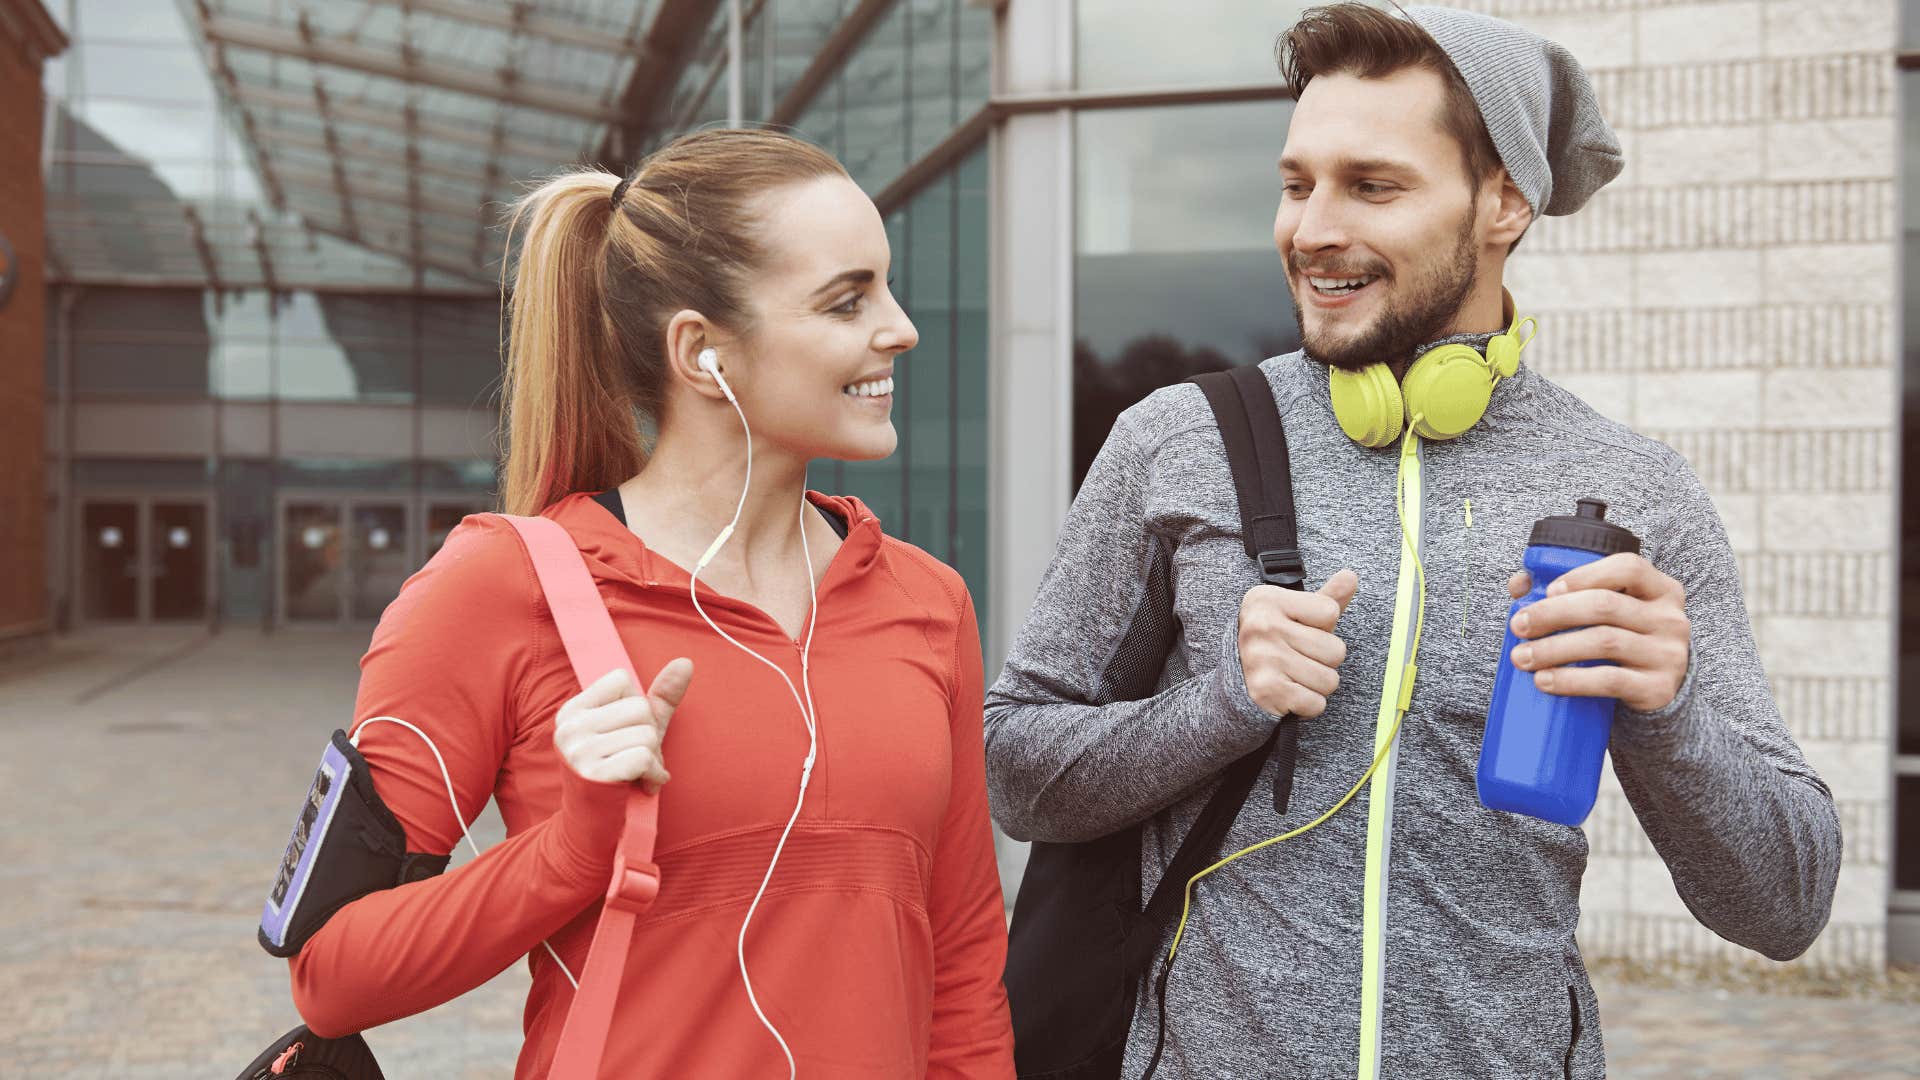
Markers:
(1519, 585)
(1609, 643)
(1641, 690)
(1628, 572)
(1592, 607)
(1319, 678)
(1319, 646)
(669, 689)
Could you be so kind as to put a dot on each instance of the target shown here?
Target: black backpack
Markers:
(302, 1055)
(1080, 940)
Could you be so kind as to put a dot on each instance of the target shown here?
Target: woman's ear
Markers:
(688, 335)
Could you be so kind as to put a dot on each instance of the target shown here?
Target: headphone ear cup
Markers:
(1368, 404)
(1448, 388)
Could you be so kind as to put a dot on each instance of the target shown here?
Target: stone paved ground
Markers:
(148, 780)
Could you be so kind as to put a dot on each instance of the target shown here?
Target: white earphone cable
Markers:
(453, 801)
(806, 705)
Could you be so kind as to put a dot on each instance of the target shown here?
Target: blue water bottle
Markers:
(1542, 753)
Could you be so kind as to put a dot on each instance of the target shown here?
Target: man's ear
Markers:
(1511, 214)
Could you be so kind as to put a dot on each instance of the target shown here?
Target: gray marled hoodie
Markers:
(1482, 977)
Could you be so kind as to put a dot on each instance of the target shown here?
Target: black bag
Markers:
(1080, 940)
(302, 1055)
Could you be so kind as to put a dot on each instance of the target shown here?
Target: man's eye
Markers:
(851, 305)
(1298, 191)
(1373, 189)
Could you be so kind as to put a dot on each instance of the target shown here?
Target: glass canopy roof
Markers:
(359, 143)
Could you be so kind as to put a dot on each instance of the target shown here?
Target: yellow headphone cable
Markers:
(1409, 447)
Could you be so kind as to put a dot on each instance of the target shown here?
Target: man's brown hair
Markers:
(1353, 38)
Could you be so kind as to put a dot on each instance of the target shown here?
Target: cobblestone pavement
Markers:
(148, 779)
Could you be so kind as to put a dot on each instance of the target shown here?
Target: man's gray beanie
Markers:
(1537, 103)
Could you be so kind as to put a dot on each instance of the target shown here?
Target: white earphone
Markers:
(709, 361)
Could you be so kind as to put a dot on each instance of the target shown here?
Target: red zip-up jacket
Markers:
(878, 948)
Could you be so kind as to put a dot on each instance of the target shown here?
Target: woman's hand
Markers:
(609, 733)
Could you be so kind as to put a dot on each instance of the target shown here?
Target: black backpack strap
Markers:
(1256, 445)
(1197, 851)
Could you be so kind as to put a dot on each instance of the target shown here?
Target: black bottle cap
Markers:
(1585, 530)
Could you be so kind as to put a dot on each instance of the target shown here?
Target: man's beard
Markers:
(1417, 317)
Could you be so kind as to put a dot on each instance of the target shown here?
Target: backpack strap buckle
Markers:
(1283, 567)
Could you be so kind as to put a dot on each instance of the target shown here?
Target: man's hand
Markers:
(1287, 646)
(1619, 609)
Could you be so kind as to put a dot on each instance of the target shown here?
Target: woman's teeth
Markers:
(1341, 286)
(876, 388)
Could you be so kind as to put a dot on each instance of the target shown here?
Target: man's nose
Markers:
(1321, 224)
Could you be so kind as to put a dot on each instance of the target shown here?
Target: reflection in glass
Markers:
(312, 560)
(111, 574)
(180, 561)
(380, 561)
(1125, 43)
(1175, 271)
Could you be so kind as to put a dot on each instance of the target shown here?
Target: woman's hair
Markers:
(1371, 43)
(596, 283)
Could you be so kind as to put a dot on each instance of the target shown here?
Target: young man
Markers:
(1416, 933)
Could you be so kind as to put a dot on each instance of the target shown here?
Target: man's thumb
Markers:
(1341, 588)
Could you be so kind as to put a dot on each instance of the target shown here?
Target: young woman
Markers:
(737, 280)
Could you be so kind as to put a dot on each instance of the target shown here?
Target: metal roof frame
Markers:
(402, 64)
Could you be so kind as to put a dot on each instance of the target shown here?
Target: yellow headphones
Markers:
(1445, 392)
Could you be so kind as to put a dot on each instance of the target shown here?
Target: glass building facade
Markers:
(273, 346)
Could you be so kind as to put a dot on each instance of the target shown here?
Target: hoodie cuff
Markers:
(1666, 728)
(1230, 684)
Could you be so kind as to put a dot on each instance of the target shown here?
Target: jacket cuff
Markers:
(1667, 727)
(1230, 684)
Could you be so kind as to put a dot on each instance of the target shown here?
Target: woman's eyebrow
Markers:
(846, 277)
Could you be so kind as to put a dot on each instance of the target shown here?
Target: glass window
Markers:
(460, 352)
(1175, 270)
(924, 382)
(930, 73)
(140, 341)
(801, 27)
(1125, 43)
(126, 20)
(970, 361)
(874, 100)
(143, 72)
(975, 70)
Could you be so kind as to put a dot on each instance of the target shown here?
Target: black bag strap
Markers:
(1256, 445)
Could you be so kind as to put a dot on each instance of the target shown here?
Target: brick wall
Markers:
(1733, 295)
(23, 554)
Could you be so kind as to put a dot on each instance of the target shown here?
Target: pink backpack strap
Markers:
(594, 648)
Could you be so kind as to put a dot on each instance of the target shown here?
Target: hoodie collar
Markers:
(615, 552)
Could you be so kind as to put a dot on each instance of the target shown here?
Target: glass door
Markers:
(110, 574)
(178, 585)
(379, 557)
(312, 566)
